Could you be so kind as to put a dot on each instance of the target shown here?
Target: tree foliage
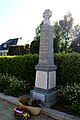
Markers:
(65, 29)
(63, 34)
(75, 45)
(34, 47)
(56, 36)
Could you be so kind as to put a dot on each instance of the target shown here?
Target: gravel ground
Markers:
(6, 112)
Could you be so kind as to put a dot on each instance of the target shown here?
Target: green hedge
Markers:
(23, 67)
(68, 70)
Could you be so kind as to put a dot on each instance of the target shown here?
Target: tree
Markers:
(34, 47)
(65, 29)
(27, 49)
(63, 34)
(56, 37)
(75, 45)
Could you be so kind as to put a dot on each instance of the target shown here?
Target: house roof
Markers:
(5, 45)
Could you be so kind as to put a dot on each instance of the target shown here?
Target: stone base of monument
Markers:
(45, 85)
(48, 99)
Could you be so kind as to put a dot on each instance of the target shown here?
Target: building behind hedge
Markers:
(4, 47)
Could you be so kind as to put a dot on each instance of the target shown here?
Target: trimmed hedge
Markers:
(23, 67)
(68, 70)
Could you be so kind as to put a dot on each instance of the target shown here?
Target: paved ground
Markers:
(7, 103)
(6, 112)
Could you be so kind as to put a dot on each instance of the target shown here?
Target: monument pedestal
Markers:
(48, 99)
(45, 85)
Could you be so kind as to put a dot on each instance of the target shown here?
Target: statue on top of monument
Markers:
(46, 15)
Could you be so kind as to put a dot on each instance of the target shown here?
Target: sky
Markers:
(20, 18)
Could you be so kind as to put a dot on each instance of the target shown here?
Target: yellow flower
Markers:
(25, 114)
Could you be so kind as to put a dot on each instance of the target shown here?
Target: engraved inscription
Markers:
(39, 96)
(42, 61)
(52, 79)
(41, 79)
(43, 47)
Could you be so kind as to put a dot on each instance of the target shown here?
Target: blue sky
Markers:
(10, 13)
(21, 17)
(9, 9)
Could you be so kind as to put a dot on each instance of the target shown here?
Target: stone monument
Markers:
(45, 82)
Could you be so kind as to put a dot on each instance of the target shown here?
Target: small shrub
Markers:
(76, 106)
(69, 95)
(12, 85)
(5, 81)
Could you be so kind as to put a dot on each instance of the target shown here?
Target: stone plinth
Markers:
(45, 85)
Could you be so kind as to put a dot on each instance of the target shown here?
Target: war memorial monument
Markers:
(45, 81)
